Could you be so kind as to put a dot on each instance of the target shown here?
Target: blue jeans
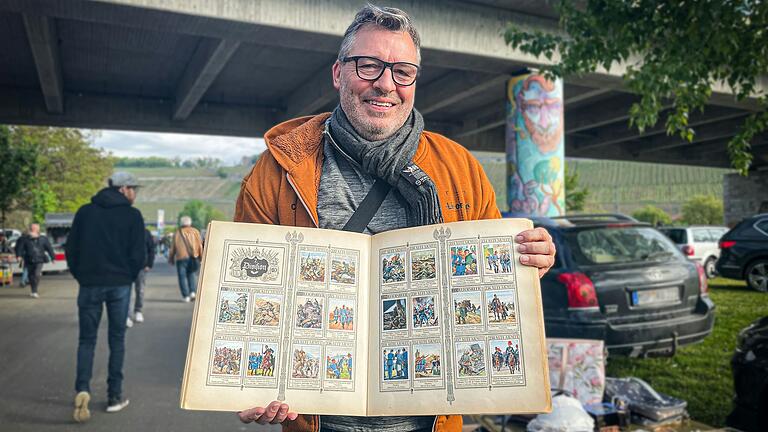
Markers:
(89, 304)
(187, 278)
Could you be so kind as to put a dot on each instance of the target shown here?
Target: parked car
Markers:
(624, 282)
(750, 378)
(744, 252)
(699, 243)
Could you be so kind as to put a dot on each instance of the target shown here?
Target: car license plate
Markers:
(652, 296)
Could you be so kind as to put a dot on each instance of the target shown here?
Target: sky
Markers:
(169, 145)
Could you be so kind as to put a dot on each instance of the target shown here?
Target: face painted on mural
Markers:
(542, 112)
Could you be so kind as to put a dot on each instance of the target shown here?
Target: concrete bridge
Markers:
(236, 67)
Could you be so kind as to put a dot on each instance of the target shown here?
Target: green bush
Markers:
(653, 215)
(703, 210)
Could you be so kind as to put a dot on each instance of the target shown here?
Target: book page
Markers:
(458, 322)
(280, 315)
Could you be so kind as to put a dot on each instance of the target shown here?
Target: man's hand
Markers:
(274, 413)
(146, 269)
(537, 249)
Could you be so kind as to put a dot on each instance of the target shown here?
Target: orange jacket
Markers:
(282, 189)
(179, 250)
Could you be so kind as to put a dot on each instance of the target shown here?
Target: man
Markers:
(186, 250)
(317, 169)
(35, 251)
(141, 280)
(105, 251)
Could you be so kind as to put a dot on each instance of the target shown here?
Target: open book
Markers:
(430, 320)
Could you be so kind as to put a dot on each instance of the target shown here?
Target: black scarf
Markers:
(392, 160)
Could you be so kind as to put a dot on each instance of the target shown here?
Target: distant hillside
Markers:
(623, 187)
(170, 188)
(614, 186)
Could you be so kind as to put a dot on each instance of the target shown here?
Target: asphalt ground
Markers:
(38, 350)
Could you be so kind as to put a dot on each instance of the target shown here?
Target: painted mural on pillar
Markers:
(535, 146)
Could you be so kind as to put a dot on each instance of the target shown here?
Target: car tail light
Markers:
(581, 290)
(726, 244)
(703, 284)
(688, 250)
(60, 256)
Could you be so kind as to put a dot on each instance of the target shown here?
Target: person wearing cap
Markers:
(105, 252)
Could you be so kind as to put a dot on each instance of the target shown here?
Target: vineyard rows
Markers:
(625, 186)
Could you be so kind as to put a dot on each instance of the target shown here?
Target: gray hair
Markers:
(185, 221)
(387, 18)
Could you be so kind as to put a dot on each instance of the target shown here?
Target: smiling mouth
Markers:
(380, 104)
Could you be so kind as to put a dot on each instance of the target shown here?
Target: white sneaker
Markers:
(114, 406)
(129, 322)
(139, 317)
(34, 295)
(192, 295)
(186, 299)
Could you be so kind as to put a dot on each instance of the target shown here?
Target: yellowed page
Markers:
(280, 312)
(438, 320)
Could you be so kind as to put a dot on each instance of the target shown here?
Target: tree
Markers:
(703, 210)
(67, 164)
(44, 200)
(653, 215)
(575, 197)
(674, 51)
(201, 213)
(18, 165)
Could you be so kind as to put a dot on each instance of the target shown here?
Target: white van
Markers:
(699, 243)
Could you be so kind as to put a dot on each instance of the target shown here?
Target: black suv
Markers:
(624, 282)
(744, 252)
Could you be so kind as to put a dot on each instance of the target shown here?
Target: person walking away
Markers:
(105, 251)
(185, 253)
(35, 251)
(141, 280)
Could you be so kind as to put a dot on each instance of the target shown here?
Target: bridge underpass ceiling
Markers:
(106, 66)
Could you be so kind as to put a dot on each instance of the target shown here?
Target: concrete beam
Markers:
(620, 153)
(44, 43)
(613, 110)
(455, 87)
(587, 96)
(708, 132)
(206, 63)
(484, 119)
(131, 113)
(617, 134)
(312, 95)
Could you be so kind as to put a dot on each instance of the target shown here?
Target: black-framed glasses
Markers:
(371, 69)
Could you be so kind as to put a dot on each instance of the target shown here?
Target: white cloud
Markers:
(169, 145)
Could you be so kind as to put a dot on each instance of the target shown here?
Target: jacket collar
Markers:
(297, 146)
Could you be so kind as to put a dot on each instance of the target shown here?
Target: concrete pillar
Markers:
(535, 147)
(744, 196)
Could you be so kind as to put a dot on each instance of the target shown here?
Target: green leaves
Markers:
(653, 215)
(675, 53)
(575, 197)
(18, 165)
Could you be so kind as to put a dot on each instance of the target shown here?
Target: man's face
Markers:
(393, 103)
(129, 192)
(34, 229)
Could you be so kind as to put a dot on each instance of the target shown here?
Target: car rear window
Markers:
(619, 245)
(678, 236)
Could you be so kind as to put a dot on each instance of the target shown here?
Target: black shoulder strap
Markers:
(368, 208)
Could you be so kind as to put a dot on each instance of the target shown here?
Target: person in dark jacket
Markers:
(141, 280)
(105, 252)
(35, 251)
